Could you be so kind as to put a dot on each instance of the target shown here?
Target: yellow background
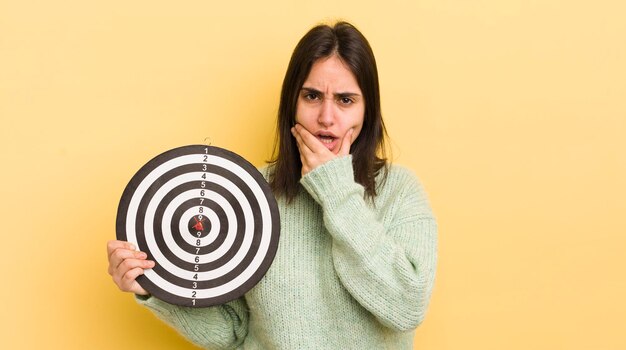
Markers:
(512, 113)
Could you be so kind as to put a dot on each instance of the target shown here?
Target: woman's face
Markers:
(330, 103)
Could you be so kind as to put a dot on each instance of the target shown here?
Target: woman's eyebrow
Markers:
(346, 94)
(311, 90)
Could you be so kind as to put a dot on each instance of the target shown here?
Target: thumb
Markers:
(346, 143)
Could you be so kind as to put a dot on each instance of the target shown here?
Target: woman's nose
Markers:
(327, 113)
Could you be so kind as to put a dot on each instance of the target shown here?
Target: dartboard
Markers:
(208, 219)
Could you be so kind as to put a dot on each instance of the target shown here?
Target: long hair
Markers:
(368, 150)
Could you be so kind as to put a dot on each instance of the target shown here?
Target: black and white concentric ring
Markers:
(235, 235)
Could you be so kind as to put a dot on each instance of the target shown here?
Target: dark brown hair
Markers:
(368, 150)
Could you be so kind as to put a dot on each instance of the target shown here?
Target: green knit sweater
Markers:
(348, 274)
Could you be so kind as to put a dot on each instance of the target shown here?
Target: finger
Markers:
(307, 156)
(346, 142)
(120, 256)
(129, 282)
(129, 265)
(303, 150)
(302, 147)
(113, 245)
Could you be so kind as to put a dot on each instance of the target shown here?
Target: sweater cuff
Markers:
(330, 179)
(157, 305)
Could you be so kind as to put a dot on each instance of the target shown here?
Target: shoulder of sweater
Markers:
(400, 170)
(400, 176)
(400, 183)
(403, 185)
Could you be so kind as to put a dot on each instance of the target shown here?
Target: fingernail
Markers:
(131, 246)
(142, 255)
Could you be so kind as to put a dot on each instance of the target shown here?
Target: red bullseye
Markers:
(199, 226)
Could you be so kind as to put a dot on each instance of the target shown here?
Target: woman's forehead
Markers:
(331, 75)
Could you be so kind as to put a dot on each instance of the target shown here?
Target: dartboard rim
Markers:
(257, 275)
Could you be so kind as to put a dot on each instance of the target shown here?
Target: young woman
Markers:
(356, 259)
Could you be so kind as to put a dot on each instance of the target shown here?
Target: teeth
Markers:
(326, 139)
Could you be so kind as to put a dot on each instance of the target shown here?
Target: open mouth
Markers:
(326, 139)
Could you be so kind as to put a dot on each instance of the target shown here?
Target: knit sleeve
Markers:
(217, 327)
(388, 268)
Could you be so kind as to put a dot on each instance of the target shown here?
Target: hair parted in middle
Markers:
(368, 150)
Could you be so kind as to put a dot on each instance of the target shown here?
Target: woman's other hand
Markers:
(126, 264)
